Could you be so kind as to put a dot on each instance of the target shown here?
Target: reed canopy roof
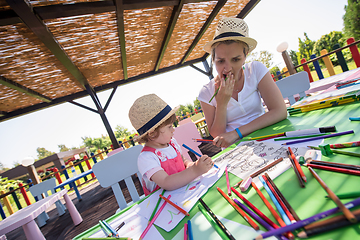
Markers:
(56, 51)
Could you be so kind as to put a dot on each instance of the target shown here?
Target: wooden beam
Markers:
(121, 34)
(173, 19)
(211, 17)
(33, 22)
(247, 9)
(18, 87)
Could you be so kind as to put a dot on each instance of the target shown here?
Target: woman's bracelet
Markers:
(239, 133)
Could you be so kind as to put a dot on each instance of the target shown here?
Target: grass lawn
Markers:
(337, 69)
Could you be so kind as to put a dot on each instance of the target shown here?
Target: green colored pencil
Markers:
(212, 222)
(354, 154)
(107, 232)
(347, 195)
(299, 137)
(217, 91)
(156, 207)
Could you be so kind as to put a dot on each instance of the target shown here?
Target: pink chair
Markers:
(184, 134)
(185, 121)
(115, 151)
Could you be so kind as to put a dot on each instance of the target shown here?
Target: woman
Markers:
(237, 108)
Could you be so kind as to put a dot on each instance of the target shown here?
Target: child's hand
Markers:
(203, 164)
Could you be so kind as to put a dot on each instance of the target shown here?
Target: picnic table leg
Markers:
(32, 231)
(77, 192)
(74, 213)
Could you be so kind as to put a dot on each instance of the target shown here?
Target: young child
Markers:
(161, 163)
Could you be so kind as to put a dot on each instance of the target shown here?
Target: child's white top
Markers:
(149, 163)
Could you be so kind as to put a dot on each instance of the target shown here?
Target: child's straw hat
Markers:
(232, 29)
(148, 112)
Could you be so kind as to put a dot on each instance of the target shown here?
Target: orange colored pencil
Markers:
(297, 164)
(174, 205)
(237, 208)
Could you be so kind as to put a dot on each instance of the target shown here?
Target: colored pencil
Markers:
(213, 223)
(112, 230)
(218, 222)
(255, 174)
(266, 136)
(156, 207)
(330, 104)
(354, 154)
(271, 137)
(345, 145)
(217, 90)
(282, 197)
(280, 201)
(238, 209)
(354, 118)
(300, 179)
(174, 205)
(319, 137)
(332, 195)
(289, 234)
(107, 231)
(306, 221)
(256, 210)
(347, 195)
(335, 164)
(227, 181)
(327, 225)
(190, 233)
(120, 226)
(297, 164)
(334, 169)
(194, 152)
(202, 140)
(300, 137)
(185, 231)
(275, 201)
(153, 220)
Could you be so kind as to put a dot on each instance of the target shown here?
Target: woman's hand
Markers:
(226, 139)
(226, 89)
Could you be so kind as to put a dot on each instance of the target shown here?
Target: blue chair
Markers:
(294, 84)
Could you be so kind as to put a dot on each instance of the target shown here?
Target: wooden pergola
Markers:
(56, 51)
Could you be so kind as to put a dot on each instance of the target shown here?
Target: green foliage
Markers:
(306, 47)
(294, 57)
(273, 70)
(327, 42)
(121, 132)
(265, 57)
(96, 143)
(43, 153)
(5, 183)
(197, 104)
(63, 148)
(352, 19)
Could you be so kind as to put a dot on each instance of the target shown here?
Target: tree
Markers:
(305, 48)
(121, 132)
(294, 57)
(63, 148)
(197, 104)
(265, 57)
(327, 42)
(352, 19)
(43, 153)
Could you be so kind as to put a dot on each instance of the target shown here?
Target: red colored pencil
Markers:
(237, 208)
(202, 140)
(174, 205)
(266, 138)
(297, 164)
(334, 169)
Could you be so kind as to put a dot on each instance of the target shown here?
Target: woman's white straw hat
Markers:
(148, 112)
(232, 29)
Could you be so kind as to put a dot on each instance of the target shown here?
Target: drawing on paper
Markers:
(172, 216)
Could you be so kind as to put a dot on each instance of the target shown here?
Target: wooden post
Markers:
(354, 51)
(328, 62)
(317, 67)
(285, 69)
(289, 64)
(307, 69)
(57, 175)
(33, 174)
(23, 192)
(100, 154)
(2, 213)
(88, 165)
(16, 200)
(7, 203)
(341, 58)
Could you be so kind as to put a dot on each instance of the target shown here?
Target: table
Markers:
(26, 216)
(305, 201)
(71, 182)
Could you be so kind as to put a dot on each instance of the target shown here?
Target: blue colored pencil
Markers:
(190, 234)
(277, 204)
(194, 152)
(112, 230)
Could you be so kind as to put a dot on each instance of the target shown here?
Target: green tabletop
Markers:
(306, 201)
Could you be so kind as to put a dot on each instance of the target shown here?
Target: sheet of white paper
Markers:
(134, 226)
(202, 229)
(184, 197)
(248, 157)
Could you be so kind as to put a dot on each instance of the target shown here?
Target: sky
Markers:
(271, 22)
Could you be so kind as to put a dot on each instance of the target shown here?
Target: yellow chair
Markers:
(201, 125)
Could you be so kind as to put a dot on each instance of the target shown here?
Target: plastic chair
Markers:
(120, 166)
(184, 121)
(115, 151)
(196, 117)
(43, 188)
(297, 83)
(184, 134)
